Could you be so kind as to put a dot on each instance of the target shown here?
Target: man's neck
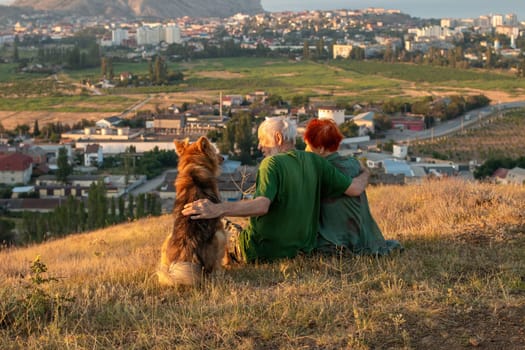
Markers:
(288, 146)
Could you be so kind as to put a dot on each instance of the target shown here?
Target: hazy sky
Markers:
(416, 8)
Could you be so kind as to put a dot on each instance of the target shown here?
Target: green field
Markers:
(67, 104)
(340, 81)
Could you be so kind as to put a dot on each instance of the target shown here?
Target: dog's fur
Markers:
(195, 247)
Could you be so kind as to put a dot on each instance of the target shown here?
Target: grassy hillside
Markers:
(460, 283)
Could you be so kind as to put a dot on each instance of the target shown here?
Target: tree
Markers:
(489, 63)
(97, 206)
(357, 53)
(131, 206)
(7, 235)
(22, 130)
(382, 122)
(36, 129)
(121, 209)
(306, 49)
(349, 129)
(520, 73)
(141, 205)
(64, 168)
(244, 138)
(160, 71)
(104, 66)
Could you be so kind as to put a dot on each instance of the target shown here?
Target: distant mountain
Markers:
(147, 8)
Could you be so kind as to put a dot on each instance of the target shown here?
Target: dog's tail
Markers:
(180, 273)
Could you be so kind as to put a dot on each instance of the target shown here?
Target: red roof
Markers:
(501, 173)
(15, 162)
(92, 148)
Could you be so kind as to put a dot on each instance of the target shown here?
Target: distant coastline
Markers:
(415, 8)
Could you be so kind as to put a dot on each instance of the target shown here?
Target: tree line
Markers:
(76, 215)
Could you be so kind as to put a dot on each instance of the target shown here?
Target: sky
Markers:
(415, 8)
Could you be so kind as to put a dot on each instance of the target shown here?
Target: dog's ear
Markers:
(204, 144)
(180, 146)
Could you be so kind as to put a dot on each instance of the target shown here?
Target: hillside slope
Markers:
(147, 8)
(461, 281)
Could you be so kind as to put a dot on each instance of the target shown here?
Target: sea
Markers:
(415, 8)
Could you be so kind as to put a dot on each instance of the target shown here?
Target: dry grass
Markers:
(460, 283)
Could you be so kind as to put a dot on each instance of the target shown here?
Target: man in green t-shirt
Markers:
(284, 213)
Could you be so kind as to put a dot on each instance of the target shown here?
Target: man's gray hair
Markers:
(286, 126)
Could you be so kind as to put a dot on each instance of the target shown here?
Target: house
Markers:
(365, 121)
(109, 122)
(405, 123)
(125, 76)
(516, 176)
(42, 205)
(334, 113)
(51, 150)
(395, 167)
(93, 155)
(15, 168)
(231, 100)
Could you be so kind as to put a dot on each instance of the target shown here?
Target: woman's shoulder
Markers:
(347, 164)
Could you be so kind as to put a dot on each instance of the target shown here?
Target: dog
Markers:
(195, 248)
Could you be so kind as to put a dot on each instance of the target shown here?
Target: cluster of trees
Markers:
(491, 165)
(50, 131)
(444, 108)
(71, 56)
(238, 138)
(97, 212)
(224, 48)
(150, 163)
(158, 73)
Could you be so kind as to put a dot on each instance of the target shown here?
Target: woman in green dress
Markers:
(346, 222)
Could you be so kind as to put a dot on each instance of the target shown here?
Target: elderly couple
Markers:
(304, 201)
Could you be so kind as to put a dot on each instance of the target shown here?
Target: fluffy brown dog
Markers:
(195, 247)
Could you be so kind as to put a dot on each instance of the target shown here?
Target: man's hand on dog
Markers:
(202, 209)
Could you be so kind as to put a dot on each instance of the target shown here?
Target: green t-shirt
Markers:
(294, 182)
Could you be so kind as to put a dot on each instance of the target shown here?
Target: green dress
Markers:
(346, 222)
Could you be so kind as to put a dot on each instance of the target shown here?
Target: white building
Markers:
(334, 113)
(118, 36)
(172, 34)
(497, 20)
(342, 51)
(484, 22)
(93, 155)
(148, 35)
(516, 176)
(448, 22)
(400, 151)
(511, 19)
(365, 121)
(15, 168)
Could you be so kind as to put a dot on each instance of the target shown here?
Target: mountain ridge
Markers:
(146, 8)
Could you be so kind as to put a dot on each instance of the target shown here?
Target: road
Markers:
(450, 126)
(151, 185)
(135, 107)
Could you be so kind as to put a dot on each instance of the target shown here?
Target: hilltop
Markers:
(460, 283)
(147, 8)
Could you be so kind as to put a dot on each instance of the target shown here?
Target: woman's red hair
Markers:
(323, 133)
